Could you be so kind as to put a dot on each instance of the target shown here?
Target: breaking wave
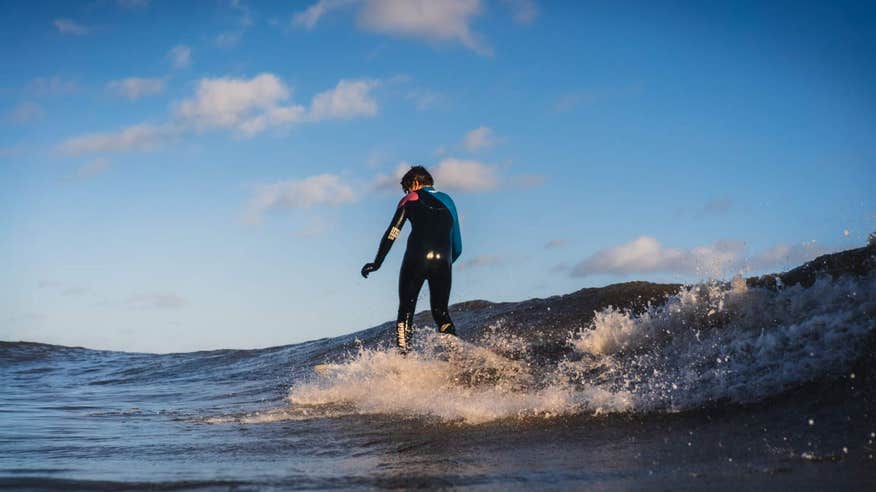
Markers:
(709, 344)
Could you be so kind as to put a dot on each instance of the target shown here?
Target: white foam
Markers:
(710, 342)
(713, 342)
(469, 384)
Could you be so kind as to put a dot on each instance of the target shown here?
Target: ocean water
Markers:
(717, 385)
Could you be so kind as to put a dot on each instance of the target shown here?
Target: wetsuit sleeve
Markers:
(392, 232)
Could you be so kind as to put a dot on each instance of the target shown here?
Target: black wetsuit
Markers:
(433, 245)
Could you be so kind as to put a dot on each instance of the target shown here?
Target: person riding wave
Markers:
(435, 242)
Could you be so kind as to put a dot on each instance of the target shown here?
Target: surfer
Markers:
(433, 245)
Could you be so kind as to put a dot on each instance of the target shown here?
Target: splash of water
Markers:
(708, 344)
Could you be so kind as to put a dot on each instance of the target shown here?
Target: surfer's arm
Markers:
(389, 237)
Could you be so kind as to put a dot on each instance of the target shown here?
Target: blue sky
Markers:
(197, 175)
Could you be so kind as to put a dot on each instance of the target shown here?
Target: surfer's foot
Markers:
(447, 329)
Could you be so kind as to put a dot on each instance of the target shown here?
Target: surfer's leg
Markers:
(410, 281)
(439, 295)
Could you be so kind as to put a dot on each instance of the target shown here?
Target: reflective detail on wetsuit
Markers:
(401, 338)
(432, 246)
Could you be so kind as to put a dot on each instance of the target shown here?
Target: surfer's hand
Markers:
(368, 268)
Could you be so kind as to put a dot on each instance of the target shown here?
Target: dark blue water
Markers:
(716, 386)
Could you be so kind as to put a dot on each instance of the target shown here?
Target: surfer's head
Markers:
(416, 178)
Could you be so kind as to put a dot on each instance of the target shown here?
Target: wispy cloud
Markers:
(481, 137)
(523, 11)
(586, 97)
(714, 207)
(444, 21)
(324, 189)
(75, 291)
(424, 99)
(136, 87)
(526, 181)
(155, 300)
(137, 137)
(481, 261)
(242, 23)
(67, 26)
(392, 181)
(24, 112)
(555, 243)
(180, 56)
(785, 255)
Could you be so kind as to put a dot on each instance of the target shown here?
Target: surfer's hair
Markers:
(418, 174)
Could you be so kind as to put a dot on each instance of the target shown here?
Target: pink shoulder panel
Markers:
(410, 197)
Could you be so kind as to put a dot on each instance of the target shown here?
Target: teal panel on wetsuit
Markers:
(456, 236)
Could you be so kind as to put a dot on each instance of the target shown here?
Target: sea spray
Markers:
(708, 344)
(717, 342)
(464, 383)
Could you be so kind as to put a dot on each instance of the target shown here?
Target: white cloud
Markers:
(646, 255)
(180, 56)
(465, 175)
(135, 87)
(24, 112)
(786, 255)
(155, 300)
(93, 168)
(446, 21)
(67, 26)
(349, 99)
(479, 138)
(523, 11)
(323, 189)
(246, 105)
(250, 106)
(311, 15)
(138, 137)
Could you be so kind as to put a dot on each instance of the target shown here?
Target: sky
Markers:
(183, 176)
